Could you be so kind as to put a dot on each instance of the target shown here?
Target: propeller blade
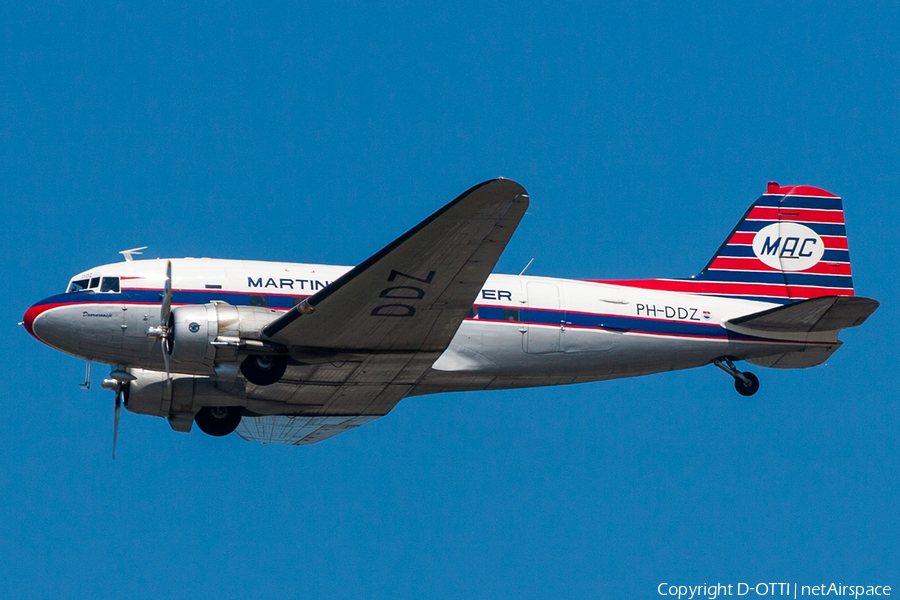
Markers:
(116, 420)
(166, 308)
(165, 352)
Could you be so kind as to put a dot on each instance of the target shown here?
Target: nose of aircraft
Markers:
(33, 317)
(49, 322)
(28, 320)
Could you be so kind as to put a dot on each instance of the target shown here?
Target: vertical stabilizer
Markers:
(791, 245)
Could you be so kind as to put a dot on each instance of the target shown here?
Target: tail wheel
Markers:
(749, 387)
(263, 369)
(218, 420)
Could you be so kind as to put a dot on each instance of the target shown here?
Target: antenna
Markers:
(128, 253)
(526, 267)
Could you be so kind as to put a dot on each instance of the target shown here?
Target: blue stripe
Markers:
(737, 251)
(811, 203)
(820, 228)
(836, 281)
(772, 299)
(768, 201)
(800, 202)
(777, 278)
(178, 297)
(529, 316)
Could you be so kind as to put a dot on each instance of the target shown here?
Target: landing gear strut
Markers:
(746, 383)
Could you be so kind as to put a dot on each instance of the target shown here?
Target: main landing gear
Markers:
(746, 383)
(218, 421)
(263, 369)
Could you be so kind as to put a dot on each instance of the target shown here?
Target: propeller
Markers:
(117, 381)
(163, 332)
(116, 413)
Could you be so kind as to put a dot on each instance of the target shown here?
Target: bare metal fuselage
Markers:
(523, 331)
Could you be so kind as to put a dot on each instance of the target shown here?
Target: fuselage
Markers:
(522, 331)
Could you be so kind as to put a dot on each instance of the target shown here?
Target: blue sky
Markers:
(318, 133)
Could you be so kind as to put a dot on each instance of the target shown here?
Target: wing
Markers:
(296, 431)
(363, 343)
(413, 294)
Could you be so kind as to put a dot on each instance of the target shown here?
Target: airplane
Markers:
(296, 353)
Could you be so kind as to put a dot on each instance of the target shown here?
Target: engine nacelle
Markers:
(193, 330)
(148, 394)
(203, 335)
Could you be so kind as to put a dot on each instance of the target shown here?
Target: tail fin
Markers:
(791, 245)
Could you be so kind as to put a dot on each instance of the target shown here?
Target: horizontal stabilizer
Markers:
(827, 313)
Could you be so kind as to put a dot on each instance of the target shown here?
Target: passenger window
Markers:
(95, 281)
(78, 286)
(510, 314)
(257, 300)
(473, 313)
(109, 284)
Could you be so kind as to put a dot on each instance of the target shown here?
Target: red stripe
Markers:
(706, 287)
(835, 242)
(735, 289)
(832, 242)
(801, 190)
(742, 238)
(32, 313)
(802, 215)
(302, 294)
(800, 292)
(752, 264)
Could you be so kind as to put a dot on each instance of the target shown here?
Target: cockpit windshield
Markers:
(109, 284)
(94, 284)
(78, 285)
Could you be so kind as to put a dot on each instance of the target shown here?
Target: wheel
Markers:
(263, 370)
(750, 387)
(218, 420)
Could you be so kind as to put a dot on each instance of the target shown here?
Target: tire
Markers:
(743, 388)
(263, 369)
(218, 421)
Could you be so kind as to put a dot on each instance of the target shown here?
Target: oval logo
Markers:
(788, 246)
(194, 327)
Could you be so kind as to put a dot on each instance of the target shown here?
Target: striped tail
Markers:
(791, 245)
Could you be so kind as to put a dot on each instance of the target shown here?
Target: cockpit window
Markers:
(78, 286)
(109, 284)
(94, 284)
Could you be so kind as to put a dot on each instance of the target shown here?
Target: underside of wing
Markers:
(414, 293)
(297, 431)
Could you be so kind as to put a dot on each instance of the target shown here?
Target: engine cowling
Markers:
(203, 335)
(149, 394)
